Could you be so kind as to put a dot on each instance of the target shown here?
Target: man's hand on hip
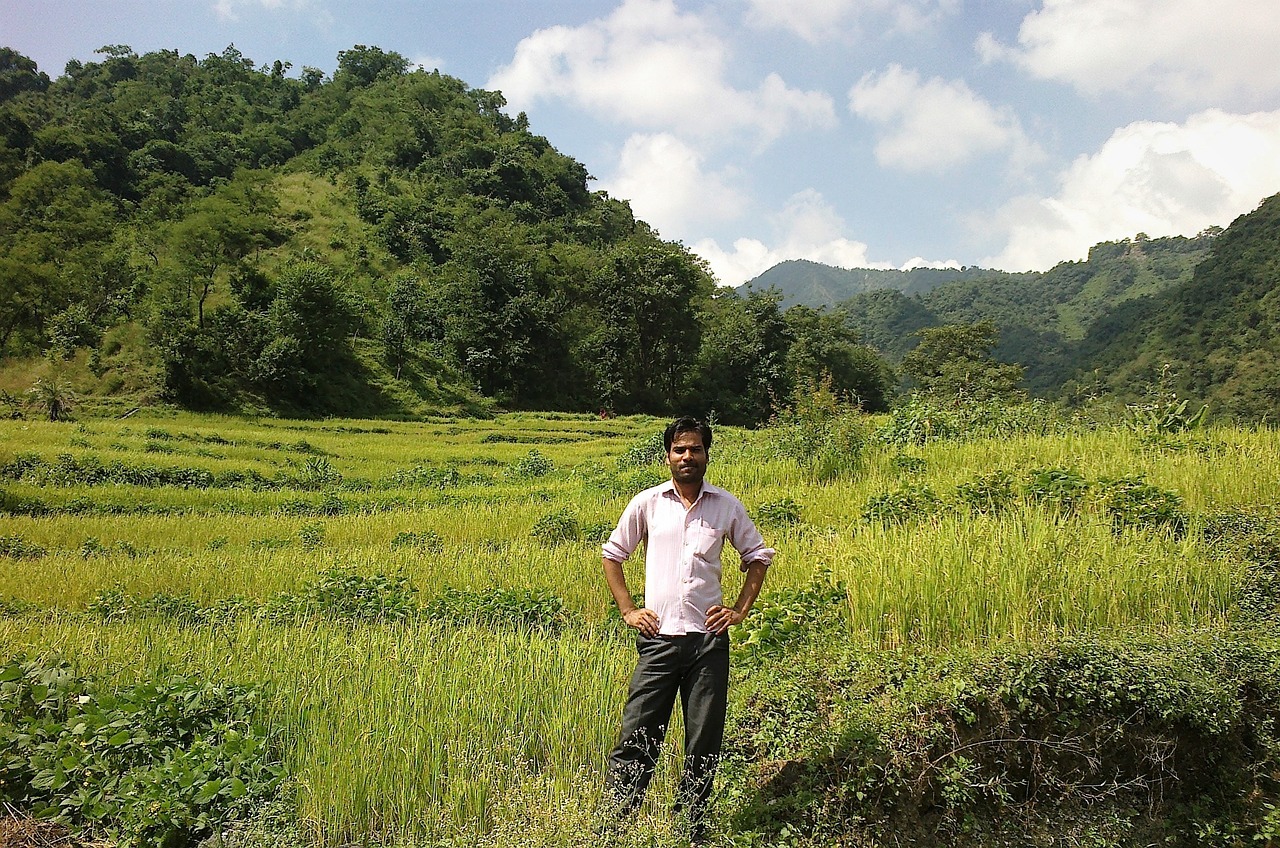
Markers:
(643, 619)
(720, 618)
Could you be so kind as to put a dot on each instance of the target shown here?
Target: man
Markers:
(682, 638)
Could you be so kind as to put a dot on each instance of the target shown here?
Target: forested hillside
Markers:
(806, 283)
(226, 235)
(1216, 333)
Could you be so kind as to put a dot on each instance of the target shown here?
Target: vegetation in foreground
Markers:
(1001, 629)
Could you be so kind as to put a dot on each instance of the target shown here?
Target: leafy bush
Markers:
(1060, 489)
(533, 464)
(317, 472)
(556, 527)
(1010, 745)
(537, 609)
(642, 452)
(161, 763)
(311, 535)
(115, 604)
(987, 494)
(425, 540)
(901, 506)
(820, 431)
(424, 477)
(921, 420)
(1132, 502)
(908, 464)
(16, 547)
(784, 512)
(781, 618)
(342, 594)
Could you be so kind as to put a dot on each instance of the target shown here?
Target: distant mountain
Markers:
(802, 282)
(1044, 318)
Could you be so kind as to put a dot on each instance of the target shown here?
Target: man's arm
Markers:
(720, 618)
(641, 618)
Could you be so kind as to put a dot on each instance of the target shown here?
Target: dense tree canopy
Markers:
(347, 245)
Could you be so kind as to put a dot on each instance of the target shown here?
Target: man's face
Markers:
(687, 458)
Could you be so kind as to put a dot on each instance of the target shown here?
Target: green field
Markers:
(465, 685)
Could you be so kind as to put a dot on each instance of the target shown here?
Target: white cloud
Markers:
(935, 124)
(1158, 178)
(819, 20)
(665, 181)
(1189, 51)
(229, 10)
(807, 228)
(650, 66)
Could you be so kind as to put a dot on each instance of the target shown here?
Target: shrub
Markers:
(425, 540)
(1132, 502)
(536, 609)
(16, 547)
(161, 763)
(342, 594)
(424, 477)
(316, 472)
(780, 618)
(1060, 489)
(784, 512)
(533, 464)
(311, 535)
(642, 452)
(1010, 745)
(556, 527)
(987, 494)
(901, 506)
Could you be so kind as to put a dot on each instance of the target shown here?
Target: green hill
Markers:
(1215, 333)
(801, 282)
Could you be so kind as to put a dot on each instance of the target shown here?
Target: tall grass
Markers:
(417, 730)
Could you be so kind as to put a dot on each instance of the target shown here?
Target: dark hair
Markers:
(687, 424)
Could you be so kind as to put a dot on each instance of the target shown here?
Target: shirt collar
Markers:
(707, 489)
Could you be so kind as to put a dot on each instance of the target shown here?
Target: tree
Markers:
(954, 362)
(742, 372)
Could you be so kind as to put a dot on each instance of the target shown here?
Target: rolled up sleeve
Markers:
(747, 541)
(626, 537)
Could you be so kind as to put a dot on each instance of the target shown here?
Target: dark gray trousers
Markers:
(696, 667)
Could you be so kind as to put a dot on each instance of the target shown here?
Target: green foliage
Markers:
(954, 361)
(556, 527)
(532, 465)
(1060, 489)
(344, 595)
(643, 451)
(16, 547)
(781, 619)
(1132, 502)
(821, 431)
(164, 762)
(426, 540)
(1005, 743)
(987, 494)
(532, 609)
(921, 420)
(784, 512)
(905, 504)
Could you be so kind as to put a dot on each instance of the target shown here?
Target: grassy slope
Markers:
(448, 730)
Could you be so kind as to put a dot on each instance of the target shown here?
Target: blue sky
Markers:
(863, 133)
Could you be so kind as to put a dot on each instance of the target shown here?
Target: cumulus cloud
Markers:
(819, 20)
(668, 186)
(806, 228)
(1189, 51)
(649, 66)
(1157, 178)
(934, 124)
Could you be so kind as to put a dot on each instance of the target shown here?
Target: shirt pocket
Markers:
(706, 541)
